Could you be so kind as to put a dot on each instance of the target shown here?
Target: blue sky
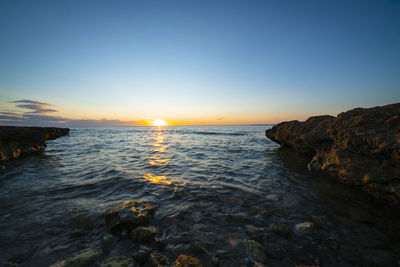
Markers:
(197, 62)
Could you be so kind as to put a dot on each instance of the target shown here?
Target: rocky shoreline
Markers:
(360, 146)
(17, 141)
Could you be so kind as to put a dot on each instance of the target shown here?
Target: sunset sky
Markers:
(111, 63)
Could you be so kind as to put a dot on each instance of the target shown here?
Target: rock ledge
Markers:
(360, 146)
(16, 141)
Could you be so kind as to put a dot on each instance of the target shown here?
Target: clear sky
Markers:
(195, 62)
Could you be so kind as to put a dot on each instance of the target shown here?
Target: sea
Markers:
(215, 189)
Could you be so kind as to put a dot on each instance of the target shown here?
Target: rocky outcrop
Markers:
(126, 217)
(18, 141)
(82, 258)
(360, 146)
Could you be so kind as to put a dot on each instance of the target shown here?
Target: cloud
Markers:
(38, 116)
(26, 101)
(34, 106)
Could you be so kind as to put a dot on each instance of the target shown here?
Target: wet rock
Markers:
(184, 238)
(255, 232)
(107, 241)
(142, 254)
(303, 228)
(177, 249)
(118, 262)
(281, 229)
(143, 233)
(360, 147)
(272, 197)
(161, 242)
(157, 259)
(81, 258)
(197, 247)
(129, 215)
(275, 251)
(16, 141)
(187, 261)
(254, 251)
(235, 256)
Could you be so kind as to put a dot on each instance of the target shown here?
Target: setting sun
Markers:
(159, 122)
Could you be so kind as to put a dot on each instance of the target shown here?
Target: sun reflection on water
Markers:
(158, 159)
(160, 179)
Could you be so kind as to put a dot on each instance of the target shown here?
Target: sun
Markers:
(159, 122)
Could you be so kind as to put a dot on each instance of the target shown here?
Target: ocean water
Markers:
(220, 186)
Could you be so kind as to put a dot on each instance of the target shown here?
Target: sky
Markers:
(122, 63)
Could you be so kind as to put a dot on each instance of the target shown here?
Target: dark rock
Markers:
(281, 229)
(360, 147)
(197, 247)
(107, 241)
(254, 251)
(142, 254)
(18, 141)
(80, 259)
(275, 251)
(303, 228)
(187, 261)
(118, 262)
(161, 242)
(177, 249)
(157, 259)
(255, 232)
(128, 216)
(185, 237)
(143, 233)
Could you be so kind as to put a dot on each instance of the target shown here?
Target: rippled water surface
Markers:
(219, 186)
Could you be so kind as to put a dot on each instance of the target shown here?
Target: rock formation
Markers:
(16, 141)
(360, 146)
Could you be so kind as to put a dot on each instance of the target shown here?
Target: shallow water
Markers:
(209, 184)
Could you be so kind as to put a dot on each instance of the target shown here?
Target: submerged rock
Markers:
(118, 262)
(143, 233)
(18, 141)
(255, 232)
(303, 228)
(129, 215)
(275, 250)
(157, 259)
(187, 261)
(107, 241)
(281, 229)
(80, 259)
(360, 146)
(198, 248)
(142, 254)
(254, 251)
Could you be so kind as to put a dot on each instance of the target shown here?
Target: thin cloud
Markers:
(27, 101)
(38, 116)
(34, 107)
